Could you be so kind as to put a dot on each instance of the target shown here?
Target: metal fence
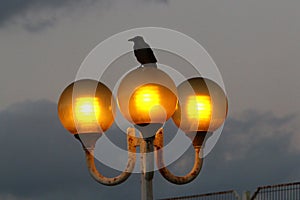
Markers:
(289, 191)
(226, 195)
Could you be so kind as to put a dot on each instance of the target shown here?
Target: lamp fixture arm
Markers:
(90, 160)
(164, 170)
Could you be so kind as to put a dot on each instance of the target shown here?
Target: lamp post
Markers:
(147, 97)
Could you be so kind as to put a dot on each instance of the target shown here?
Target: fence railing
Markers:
(225, 195)
(288, 191)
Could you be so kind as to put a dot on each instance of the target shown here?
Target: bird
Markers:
(143, 52)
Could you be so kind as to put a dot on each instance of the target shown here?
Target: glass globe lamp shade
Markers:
(86, 106)
(202, 106)
(147, 95)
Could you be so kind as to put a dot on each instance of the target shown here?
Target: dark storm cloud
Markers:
(41, 160)
(26, 12)
(16, 10)
(34, 146)
(11, 8)
(40, 25)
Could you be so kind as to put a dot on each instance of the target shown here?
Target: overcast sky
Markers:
(255, 44)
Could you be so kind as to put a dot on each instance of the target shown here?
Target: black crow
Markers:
(143, 52)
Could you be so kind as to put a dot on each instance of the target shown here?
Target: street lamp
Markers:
(147, 97)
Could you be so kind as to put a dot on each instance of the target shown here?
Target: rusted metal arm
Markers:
(166, 173)
(131, 145)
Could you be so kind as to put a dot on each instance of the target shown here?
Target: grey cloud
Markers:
(260, 130)
(16, 11)
(40, 25)
(41, 160)
(35, 146)
(11, 8)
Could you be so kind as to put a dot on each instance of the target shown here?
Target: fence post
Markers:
(246, 196)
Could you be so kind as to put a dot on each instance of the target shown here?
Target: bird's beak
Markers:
(131, 40)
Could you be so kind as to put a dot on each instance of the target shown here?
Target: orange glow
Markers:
(146, 97)
(202, 106)
(151, 103)
(87, 111)
(199, 108)
(86, 106)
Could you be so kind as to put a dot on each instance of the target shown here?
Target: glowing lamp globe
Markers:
(147, 95)
(202, 106)
(86, 106)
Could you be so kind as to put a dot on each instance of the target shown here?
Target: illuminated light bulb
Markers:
(87, 113)
(147, 95)
(202, 106)
(145, 98)
(86, 106)
(199, 108)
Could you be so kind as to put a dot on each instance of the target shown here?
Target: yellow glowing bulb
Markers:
(146, 98)
(87, 112)
(87, 109)
(199, 108)
(202, 106)
(86, 106)
(147, 95)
